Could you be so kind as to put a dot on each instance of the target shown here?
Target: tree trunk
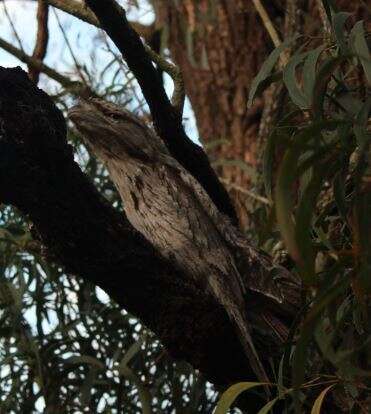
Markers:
(220, 47)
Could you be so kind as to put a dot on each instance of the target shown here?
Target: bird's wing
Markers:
(270, 280)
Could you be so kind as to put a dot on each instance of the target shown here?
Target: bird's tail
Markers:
(247, 343)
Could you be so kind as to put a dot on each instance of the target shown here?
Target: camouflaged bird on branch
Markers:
(165, 203)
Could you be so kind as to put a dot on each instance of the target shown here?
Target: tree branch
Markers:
(78, 10)
(83, 13)
(74, 87)
(91, 239)
(41, 38)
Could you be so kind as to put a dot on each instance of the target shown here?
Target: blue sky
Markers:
(84, 40)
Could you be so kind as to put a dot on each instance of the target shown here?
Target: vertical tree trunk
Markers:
(220, 45)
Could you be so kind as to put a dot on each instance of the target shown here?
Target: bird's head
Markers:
(112, 132)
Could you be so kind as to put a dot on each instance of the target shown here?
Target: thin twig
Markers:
(267, 22)
(14, 30)
(69, 47)
(42, 38)
(246, 192)
(78, 10)
(74, 87)
(175, 73)
(85, 14)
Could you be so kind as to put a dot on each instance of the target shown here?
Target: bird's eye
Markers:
(115, 117)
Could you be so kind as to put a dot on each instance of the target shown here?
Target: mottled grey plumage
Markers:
(172, 210)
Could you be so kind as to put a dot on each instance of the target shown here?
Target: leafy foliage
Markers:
(321, 197)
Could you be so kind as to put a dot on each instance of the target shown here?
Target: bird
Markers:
(170, 208)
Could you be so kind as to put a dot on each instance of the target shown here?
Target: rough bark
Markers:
(220, 47)
(92, 240)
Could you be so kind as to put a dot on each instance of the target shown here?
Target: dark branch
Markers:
(168, 123)
(92, 240)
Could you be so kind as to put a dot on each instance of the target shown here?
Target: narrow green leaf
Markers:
(289, 78)
(268, 160)
(316, 409)
(309, 72)
(360, 125)
(308, 328)
(322, 79)
(229, 396)
(284, 201)
(267, 82)
(267, 407)
(338, 23)
(361, 48)
(324, 338)
(267, 68)
(304, 215)
(339, 194)
(288, 173)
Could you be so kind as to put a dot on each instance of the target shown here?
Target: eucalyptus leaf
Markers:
(289, 78)
(267, 67)
(229, 396)
(316, 409)
(338, 24)
(361, 48)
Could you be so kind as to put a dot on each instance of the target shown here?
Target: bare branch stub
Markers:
(167, 122)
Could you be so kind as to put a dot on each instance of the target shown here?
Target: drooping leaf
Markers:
(305, 211)
(289, 78)
(308, 329)
(284, 201)
(230, 395)
(322, 79)
(316, 409)
(290, 171)
(268, 160)
(338, 24)
(361, 48)
(309, 72)
(267, 67)
(267, 407)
